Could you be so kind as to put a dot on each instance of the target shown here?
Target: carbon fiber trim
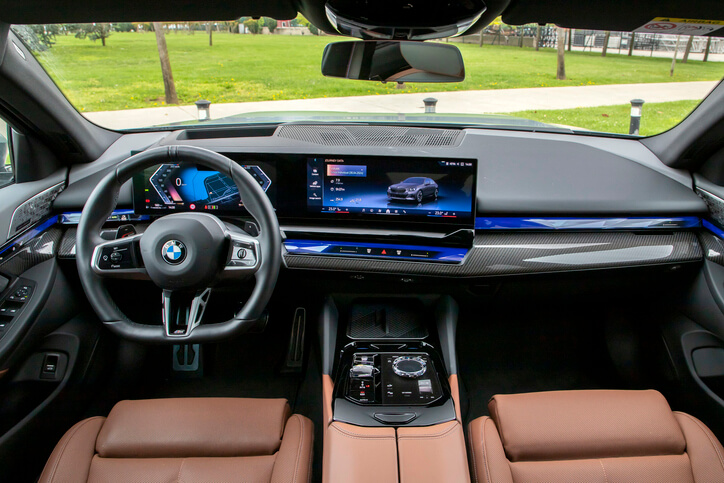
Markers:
(527, 253)
(713, 247)
(33, 210)
(67, 244)
(715, 204)
(37, 250)
(372, 136)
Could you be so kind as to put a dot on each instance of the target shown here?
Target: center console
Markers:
(399, 383)
(391, 390)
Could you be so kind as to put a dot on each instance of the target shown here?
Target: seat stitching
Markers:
(65, 445)
(605, 477)
(429, 436)
(358, 435)
(703, 429)
(299, 450)
(472, 454)
(178, 476)
(485, 453)
(309, 468)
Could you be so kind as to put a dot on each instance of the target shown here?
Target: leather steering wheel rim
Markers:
(101, 204)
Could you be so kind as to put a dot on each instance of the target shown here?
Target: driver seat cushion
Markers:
(591, 436)
(187, 439)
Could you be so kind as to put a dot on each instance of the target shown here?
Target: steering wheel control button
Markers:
(242, 254)
(115, 257)
(410, 367)
(173, 252)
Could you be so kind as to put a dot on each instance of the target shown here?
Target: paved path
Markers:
(463, 102)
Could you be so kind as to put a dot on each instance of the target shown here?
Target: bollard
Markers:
(204, 111)
(430, 104)
(636, 109)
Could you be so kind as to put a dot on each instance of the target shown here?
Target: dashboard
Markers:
(331, 187)
(409, 202)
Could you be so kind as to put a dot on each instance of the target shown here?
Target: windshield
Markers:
(143, 75)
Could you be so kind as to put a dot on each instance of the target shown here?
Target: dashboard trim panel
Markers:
(565, 223)
(495, 254)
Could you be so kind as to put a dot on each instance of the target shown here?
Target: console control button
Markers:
(362, 390)
(409, 366)
(425, 386)
(363, 370)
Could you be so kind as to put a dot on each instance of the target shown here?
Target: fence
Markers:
(593, 40)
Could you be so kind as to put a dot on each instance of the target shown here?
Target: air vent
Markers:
(372, 136)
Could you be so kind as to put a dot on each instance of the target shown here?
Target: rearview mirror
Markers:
(393, 61)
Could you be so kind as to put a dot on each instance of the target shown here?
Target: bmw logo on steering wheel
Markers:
(173, 252)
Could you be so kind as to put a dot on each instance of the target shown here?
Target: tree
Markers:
(252, 25)
(537, 37)
(300, 21)
(561, 67)
(570, 39)
(94, 31)
(687, 51)
(605, 43)
(38, 38)
(169, 86)
(211, 34)
(631, 42)
(706, 50)
(673, 60)
(269, 23)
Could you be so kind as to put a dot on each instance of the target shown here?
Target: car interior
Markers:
(508, 304)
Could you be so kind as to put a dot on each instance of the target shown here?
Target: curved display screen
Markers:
(183, 187)
(373, 188)
(391, 187)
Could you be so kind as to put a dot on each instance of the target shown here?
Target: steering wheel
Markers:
(185, 254)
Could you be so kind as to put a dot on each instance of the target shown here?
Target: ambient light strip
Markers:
(635, 223)
(376, 250)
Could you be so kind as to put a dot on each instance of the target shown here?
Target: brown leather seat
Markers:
(194, 439)
(591, 436)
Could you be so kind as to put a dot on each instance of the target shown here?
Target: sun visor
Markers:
(81, 11)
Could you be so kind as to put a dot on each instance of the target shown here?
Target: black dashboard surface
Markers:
(518, 173)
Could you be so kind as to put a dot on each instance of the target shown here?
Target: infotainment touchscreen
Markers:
(392, 187)
(187, 187)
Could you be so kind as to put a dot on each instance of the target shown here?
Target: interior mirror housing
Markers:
(403, 19)
(393, 61)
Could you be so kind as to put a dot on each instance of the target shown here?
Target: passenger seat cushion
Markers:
(705, 451)
(487, 459)
(200, 427)
(71, 458)
(294, 459)
(565, 425)
(187, 440)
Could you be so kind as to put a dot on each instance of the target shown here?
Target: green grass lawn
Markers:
(656, 118)
(126, 74)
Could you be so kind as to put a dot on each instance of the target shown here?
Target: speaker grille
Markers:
(372, 136)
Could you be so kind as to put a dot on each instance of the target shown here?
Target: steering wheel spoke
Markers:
(119, 259)
(182, 311)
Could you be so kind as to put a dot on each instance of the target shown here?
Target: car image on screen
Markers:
(413, 189)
